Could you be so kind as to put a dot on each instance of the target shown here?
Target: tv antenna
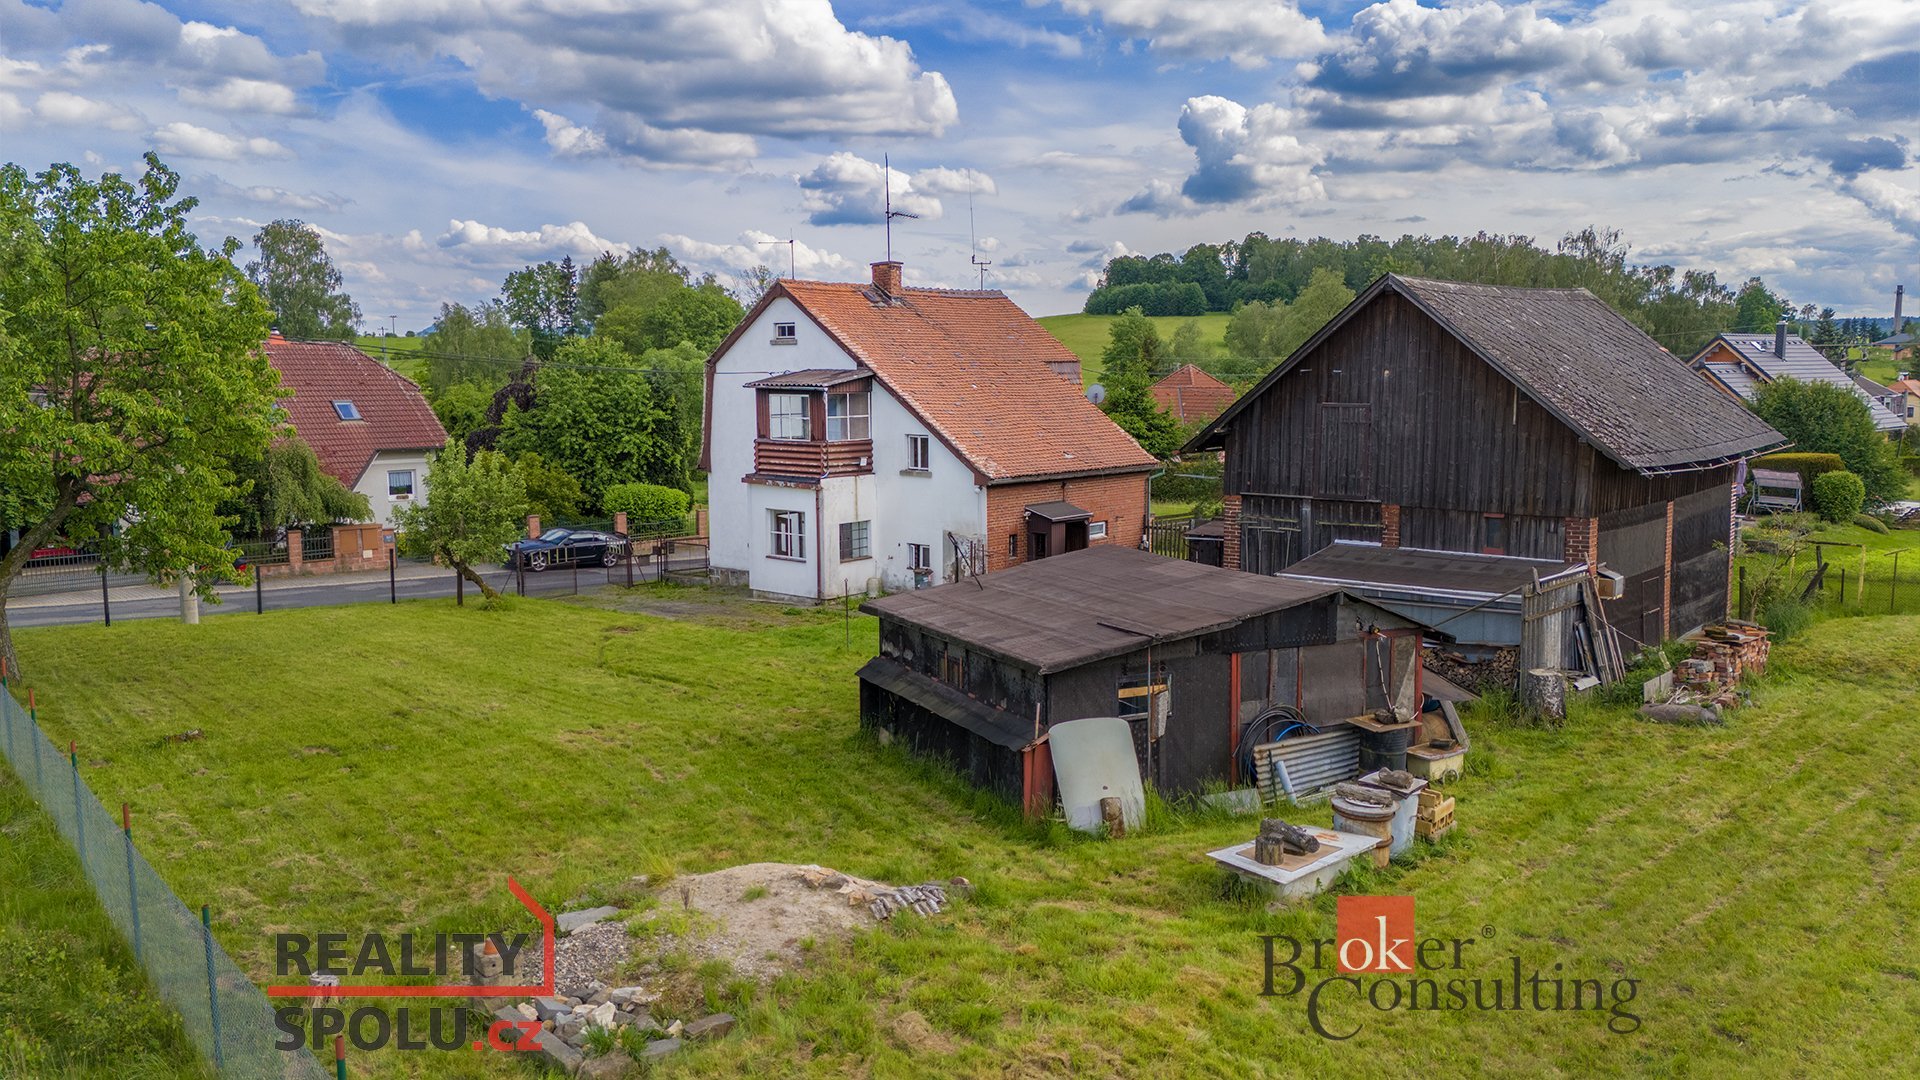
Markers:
(886, 187)
(793, 261)
(973, 256)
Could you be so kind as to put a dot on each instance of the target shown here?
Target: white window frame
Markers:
(920, 557)
(784, 333)
(405, 495)
(856, 536)
(919, 453)
(1096, 530)
(850, 425)
(787, 535)
(779, 421)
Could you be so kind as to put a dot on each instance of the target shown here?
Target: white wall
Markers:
(919, 509)
(373, 483)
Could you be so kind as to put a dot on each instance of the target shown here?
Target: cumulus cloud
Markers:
(1400, 49)
(756, 248)
(72, 110)
(1241, 155)
(1250, 33)
(243, 95)
(267, 195)
(494, 244)
(847, 189)
(669, 80)
(965, 22)
(1852, 157)
(194, 141)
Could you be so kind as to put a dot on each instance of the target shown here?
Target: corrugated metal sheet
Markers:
(1313, 762)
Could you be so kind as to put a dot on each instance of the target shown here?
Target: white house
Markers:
(371, 428)
(861, 433)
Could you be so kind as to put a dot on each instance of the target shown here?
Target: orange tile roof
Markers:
(394, 413)
(1191, 394)
(974, 368)
(1905, 386)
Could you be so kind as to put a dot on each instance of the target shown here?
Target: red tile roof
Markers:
(976, 370)
(1191, 394)
(394, 414)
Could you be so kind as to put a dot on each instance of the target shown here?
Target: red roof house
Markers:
(1192, 395)
(371, 427)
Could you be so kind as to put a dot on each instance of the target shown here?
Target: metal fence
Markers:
(1842, 578)
(683, 559)
(316, 544)
(227, 1017)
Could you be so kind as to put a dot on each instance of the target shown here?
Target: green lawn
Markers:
(393, 352)
(1086, 335)
(73, 1003)
(383, 768)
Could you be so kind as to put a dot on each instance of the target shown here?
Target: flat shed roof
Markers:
(1455, 574)
(1087, 605)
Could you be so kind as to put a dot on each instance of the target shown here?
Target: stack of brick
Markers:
(1724, 654)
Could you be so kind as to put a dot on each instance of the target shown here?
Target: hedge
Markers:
(646, 503)
(1806, 465)
(1152, 298)
(1838, 496)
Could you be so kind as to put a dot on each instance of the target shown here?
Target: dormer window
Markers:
(789, 416)
(783, 333)
(346, 410)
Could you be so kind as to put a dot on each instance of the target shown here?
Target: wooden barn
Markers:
(1509, 423)
(976, 672)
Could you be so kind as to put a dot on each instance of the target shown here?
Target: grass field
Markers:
(382, 768)
(72, 1001)
(392, 351)
(1086, 335)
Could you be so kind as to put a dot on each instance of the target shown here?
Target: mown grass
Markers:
(393, 352)
(73, 1003)
(1086, 335)
(382, 768)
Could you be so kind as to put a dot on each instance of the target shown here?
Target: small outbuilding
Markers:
(1192, 656)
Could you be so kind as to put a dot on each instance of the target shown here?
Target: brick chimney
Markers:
(1780, 339)
(886, 277)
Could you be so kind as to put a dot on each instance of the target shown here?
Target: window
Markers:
(919, 454)
(789, 534)
(1493, 540)
(783, 332)
(919, 557)
(1096, 530)
(346, 410)
(789, 416)
(847, 416)
(400, 484)
(1013, 545)
(854, 540)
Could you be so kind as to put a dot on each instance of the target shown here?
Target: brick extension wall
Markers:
(1230, 516)
(1120, 501)
(1389, 525)
(1666, 579)
(1582, 540)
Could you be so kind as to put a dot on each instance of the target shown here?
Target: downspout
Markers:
(819, 547)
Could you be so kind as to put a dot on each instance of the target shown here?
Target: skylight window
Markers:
(346, 410)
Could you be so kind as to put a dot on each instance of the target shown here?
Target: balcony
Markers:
(812, 460)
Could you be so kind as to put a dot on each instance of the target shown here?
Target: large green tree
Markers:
(1128, 368)
(133, 380)
(478, 506)
(285, 486)
(543, 300)
(1825, 418)
(301, 284)
(1757, 308)
(594, 414)
(700, 316)
(476, 345)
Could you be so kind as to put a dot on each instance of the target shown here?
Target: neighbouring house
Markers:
(1193, 657)
(1191, 395)
(1740, 363)
(370, 427)
(1535, 428)
(866, 436)
(1905, 392)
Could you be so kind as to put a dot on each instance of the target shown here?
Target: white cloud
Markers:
(847, 189)
(494, 244)
(243, 95)
(268, 195)
(756, 248)
(1248, 156)
(1248, 32)
(72, 110)
(12, 113)
(192, 140)
(670, 80)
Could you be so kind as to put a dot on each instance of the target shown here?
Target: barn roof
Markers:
(388, 411)
(1072, 609)
(1453, 573)
(1580, 360)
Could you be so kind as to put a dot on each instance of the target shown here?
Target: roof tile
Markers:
(394, 414)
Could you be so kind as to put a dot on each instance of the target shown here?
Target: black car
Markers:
(568, 547)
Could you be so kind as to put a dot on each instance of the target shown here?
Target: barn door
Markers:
(1346, 450)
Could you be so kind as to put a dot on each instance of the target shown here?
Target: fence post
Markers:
(393, 579)
(1742, 608)
(106, 597)
(340, 1057)
(79, 820)
(33, 727)
(459, 589)
(576, 577)
(133, 884)
(259, 590)
(213, 994)
(6, 709)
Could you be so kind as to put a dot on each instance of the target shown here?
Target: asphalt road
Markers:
(305, 592)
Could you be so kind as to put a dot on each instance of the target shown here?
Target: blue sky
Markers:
(441, 143)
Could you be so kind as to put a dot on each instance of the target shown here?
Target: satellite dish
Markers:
(1096, 393)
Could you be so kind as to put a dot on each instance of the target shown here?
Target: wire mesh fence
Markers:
(1841, 578)
(227, 1017)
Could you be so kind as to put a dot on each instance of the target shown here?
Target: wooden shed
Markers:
(977, 671)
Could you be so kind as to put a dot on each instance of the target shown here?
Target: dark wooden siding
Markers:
(1633, 542)
(1700, 524)
(1528, 536)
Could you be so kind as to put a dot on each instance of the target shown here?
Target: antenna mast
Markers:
(972, 243)
(793, 262)
(886, 187)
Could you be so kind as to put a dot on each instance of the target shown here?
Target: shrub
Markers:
(1807, 465)
(1870, 523)
(1786, 616)
(643, 503)
(1838, 496)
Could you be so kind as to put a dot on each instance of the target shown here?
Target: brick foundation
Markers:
(355, 547)
(1390, 525)
(1582, 541)
(1120, 501)
(1230, 513)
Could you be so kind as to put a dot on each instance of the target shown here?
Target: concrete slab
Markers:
(1307, 877)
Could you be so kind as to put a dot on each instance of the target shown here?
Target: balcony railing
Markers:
(790, 457)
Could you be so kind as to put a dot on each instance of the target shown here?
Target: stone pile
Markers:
(567, 1019)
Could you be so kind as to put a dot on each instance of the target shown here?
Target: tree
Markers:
(135, 378)
(1133, 347)
(1255, 324)
(1325, 296)
(1825, 418)
(469, 345)
(543, 300)
(701, 316)
(300, 283)
(610, 279)
(475, 510)
(462, 409)
(595, 415)
(287, 487)
(1133, 350)
(552, 493)
(1756, 309)
(1190, 343)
